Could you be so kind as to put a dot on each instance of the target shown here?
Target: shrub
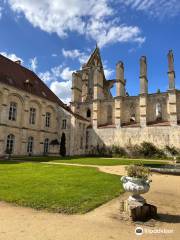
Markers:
(134, 151)
(138, 171)
(101, 151)
(150, 150)
(118, 151)
(171, 150)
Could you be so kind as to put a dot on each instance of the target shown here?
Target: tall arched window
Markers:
(88, 113)
(109, 114)
(158, 111)
(32, 115)
(10, 143)
(13, 111)
(30, 144)
(46, 146)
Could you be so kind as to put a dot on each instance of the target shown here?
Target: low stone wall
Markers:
(159, 136)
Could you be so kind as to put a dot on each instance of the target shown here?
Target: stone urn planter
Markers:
(137, 182)
(136, 186)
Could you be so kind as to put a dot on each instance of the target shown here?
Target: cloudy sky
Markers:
(55, 37)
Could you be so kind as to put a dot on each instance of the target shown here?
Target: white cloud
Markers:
(62, 90)
(54, 55)
(160, 8)
(92, 19)
(59, 79)
(33, 63)
(66, 74)
(76, 54)
(108, 33)
(108, 72)
(11, 56)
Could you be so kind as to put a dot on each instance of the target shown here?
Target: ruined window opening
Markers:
(158, 111)
(88, 113)
(133, 118)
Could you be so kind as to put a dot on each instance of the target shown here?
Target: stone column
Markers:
(98, 84)
(120, 81)
(143, 91)
(143, 76)
(118, 111)
(96, 111)
(76, 88)
(171, 72)
(172, 101)
(84, 86)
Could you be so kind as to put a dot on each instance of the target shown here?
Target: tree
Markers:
(63, 145)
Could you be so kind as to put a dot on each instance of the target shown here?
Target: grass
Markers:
(110, 162)
(56, 188)
(96, 161)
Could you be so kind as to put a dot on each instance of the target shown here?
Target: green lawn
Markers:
(110, 161)
(56, 188)
(96, 161)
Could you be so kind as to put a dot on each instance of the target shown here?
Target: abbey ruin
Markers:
(125, 120)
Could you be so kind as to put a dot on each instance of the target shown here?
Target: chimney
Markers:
(18, 62)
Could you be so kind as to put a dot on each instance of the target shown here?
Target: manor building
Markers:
(125, 120)
(33, 120)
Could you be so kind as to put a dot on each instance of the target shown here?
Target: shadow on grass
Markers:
(168, 218)
(7, 161)
(20, 159)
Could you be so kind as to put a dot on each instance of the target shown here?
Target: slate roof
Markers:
(16, 75)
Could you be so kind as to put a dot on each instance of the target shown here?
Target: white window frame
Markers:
(64, 124)
(30, 145)
(13, 111)
(46, 145)
(32, 116)
(10, 143)
(48, 119)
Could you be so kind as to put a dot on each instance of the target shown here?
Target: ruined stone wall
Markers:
(153, 99)
(130, 106)
(178, 106)
(160, 136)
(106, 109)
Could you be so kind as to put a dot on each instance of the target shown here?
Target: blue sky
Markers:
(55, 37)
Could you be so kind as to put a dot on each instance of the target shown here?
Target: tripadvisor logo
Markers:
(139, 231)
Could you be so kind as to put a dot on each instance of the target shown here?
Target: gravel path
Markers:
(104, 223)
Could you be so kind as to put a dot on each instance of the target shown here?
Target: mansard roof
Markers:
(15, 75)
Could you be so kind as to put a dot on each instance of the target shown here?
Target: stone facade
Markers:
(124, 119)
(39, 134)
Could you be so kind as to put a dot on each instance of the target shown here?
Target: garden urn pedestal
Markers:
(135, 206)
